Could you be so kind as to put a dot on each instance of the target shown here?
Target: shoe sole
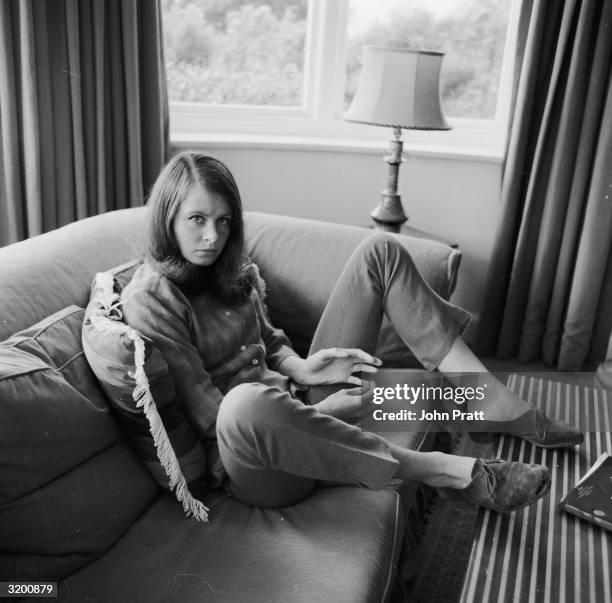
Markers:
(483, 438)
(548, 446)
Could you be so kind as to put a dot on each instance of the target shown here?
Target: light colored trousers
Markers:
(274, 447)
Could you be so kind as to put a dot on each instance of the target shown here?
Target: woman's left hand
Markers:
(336, 365)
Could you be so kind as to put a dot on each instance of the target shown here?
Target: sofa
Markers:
(78, 507)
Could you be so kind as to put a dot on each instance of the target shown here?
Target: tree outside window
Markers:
(235, 52)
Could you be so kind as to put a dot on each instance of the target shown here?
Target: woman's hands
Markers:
(335, 365)
(350, 405)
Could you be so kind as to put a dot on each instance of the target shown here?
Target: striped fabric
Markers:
(542, 553)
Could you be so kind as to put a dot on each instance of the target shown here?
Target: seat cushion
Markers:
(62, 500)
(339, 544)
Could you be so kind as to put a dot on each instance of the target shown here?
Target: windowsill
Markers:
(299, 129)
(220, 140)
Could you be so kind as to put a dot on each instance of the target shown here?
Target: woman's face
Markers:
(201, 226)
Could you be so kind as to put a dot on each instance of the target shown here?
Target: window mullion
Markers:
(327, 43)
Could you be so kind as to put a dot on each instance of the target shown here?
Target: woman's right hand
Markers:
(351, 404)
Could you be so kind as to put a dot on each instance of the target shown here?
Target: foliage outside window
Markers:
(235, 52)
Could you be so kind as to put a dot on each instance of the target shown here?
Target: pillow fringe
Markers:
(142, 396)
(260, 284)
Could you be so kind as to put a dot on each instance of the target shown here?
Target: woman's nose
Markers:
(210, 234)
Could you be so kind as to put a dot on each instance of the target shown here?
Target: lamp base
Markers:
(389, 214)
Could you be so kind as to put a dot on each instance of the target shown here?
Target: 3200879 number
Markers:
(28, 589)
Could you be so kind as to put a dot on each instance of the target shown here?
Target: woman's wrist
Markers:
(293, 367)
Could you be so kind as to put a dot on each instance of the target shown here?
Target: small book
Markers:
(591, 497)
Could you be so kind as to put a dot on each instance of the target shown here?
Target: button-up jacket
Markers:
(210, 347)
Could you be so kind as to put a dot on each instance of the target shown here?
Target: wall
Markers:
(455, 197)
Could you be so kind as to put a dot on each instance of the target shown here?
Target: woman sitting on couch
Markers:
(273, 423)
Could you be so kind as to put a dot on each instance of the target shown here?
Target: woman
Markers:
(273, 423)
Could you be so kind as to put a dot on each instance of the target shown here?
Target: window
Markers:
(290, 67)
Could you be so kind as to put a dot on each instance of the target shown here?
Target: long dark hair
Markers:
(230, 277)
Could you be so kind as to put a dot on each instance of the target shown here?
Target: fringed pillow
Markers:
(136, 379)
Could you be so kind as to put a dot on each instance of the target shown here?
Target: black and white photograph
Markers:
(306, 301)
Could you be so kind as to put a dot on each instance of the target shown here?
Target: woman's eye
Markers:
(225, 221)
(197, 219)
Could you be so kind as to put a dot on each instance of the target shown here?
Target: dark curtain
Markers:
(83, 110)
(549, 291)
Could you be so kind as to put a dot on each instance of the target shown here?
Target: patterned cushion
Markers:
(139, 386)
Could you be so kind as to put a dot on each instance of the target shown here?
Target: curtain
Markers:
(549, 289)
(83, 110)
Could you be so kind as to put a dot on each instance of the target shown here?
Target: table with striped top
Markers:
(541, 553)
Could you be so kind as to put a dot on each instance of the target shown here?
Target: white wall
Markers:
(455, 197)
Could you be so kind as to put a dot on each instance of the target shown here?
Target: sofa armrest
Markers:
(438, 263)
(452, 271)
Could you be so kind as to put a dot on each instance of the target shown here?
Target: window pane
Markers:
(471, 33)
(235, 51)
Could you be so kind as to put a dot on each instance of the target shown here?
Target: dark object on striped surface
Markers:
(591, 497)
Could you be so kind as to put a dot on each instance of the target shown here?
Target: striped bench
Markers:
(542, 554)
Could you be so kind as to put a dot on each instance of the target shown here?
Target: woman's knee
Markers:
(381, 246)
(248, 405)
(239, 402)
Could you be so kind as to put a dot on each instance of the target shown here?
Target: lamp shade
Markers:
(399, 88)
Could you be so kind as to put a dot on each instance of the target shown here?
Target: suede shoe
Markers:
(502, 486)
(546, 432)
(552, 433)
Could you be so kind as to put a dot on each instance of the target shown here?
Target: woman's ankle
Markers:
(499, 402)
(451, 471)
(463, 368)
(435, 469)
(489, 395)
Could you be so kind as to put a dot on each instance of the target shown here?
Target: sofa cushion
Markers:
(65, 524)
(339, 544)
(54, 415)
(138, 384)
(62, 500)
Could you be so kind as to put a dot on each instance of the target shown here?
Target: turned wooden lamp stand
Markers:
(398, 88)
(389, 213)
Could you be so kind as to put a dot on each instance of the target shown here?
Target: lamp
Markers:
(398, 88)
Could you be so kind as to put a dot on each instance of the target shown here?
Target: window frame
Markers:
(318, 123)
